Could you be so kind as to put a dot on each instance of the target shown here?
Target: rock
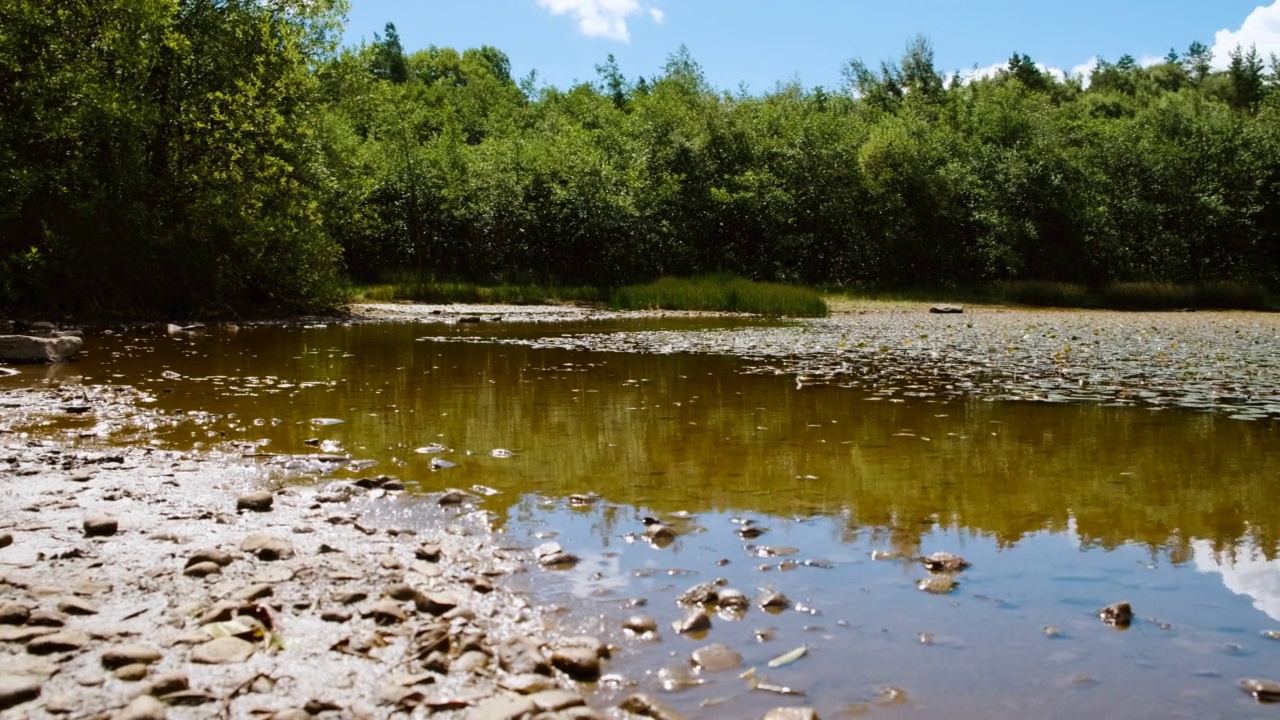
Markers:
(386, 612)
(707, 593)
(640, 625)
(946, 309)
(792, 713)
(45, 617)
(774, 602)
(554, 700)
(17, 689)
(944, 562)
(1263, 690)
(428, 551)
(938, 584)
(731, 599)
(506, 706)
(528, 683)
(253, 592)
(469, 662)
(579, 663)
(6, 539)
(62, 704)
(27, 349)
(551, 555)
(169, 683)
(1117, 615)
(434, 603)
(646, 705)
(76, 606)
(266, 547)
(187, 697)
(716, 657)
(695, 622)
(12, 613)
(223, 650)
(131, 673)
(455, 497)
(100, 526)
(221, 558)
(259, 501)
(202, 569)
(520, 656)
(335, 616)
(80, 476)
(121, 655)
(143, 707)
(67, 641)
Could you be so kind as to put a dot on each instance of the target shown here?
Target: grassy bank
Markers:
(431, 291)
(1115, 296)
(724, 293)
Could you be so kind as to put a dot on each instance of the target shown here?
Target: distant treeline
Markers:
(207, 155)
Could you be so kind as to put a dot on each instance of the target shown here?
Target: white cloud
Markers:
(1243, 572)
(1261, 30)
(601, 18)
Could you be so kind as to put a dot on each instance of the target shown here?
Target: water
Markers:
(1061, 508)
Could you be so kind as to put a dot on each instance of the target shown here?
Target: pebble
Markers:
(80, 476)
(646, 705)
(76, 606)
(640, 625)
(168, 684)
(6, 539)
(143, 707)
(792, 713)
(17, 689)
(938, 584)
(1117, 615)
(716, 657)
(1263, 690)
(202, 569)
(335, 616)
(259, 501)
(503, 707)
(44, 617)
(253, 592)
(266, 547)
(557, 699)
(12, 613)
(694, 622)
(221, 558)
(121, 655)
(62, 704)
(579, 663)
(131, 673)
(223, 650)
(68, 641)
(773, 602)
(528, 683)
(100, 526)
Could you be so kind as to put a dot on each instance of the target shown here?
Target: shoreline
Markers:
(119, 565)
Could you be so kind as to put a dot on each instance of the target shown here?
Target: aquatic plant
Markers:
(725, 293)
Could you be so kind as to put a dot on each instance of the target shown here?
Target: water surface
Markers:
(1062, 507)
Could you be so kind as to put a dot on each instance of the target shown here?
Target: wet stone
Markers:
(122, 655)
(944, 562)
(223, 650)
(259, 501)
(646, 705)
(640, 625)
(579, 663)
(17, 689)
(773, 601)
(694, 622)
(100, 526)
(716, 657)
(551, 555)
(76, 606)
(68, 641)
(792, 713)
(522, 656)
(143, 707)
(266, 547)
(1117, 615)
(938, 584)
(1263, 690)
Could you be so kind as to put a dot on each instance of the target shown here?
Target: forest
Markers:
(208, 157)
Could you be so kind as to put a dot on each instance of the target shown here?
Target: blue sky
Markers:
(761, 42)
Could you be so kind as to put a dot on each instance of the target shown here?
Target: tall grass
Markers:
(1138, 295)
(427, 290)
(725, 293)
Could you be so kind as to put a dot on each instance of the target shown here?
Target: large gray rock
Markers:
(27, 349)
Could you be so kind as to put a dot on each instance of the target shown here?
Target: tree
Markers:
(1198, 61)
(388, 59)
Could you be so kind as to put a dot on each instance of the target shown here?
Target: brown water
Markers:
(1061, 508)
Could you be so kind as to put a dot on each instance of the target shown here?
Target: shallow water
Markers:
(1062, 507)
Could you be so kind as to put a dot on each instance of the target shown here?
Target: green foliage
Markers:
(1046, 293)
(429, 290)
(725, 293)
